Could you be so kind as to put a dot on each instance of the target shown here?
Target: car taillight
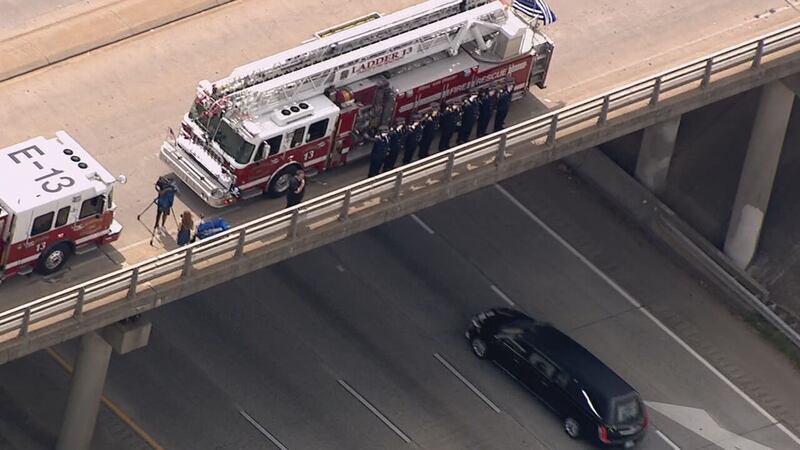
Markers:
(646, 421)
(602, 433)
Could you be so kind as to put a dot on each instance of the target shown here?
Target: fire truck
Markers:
(312, 106)
(56, 200)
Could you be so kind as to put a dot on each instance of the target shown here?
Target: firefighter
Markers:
(429, 127)
(380, 147)
(397, 138)
(468, 117)
(413, 136)
(487, 100)
(449, 121)
(503, 105)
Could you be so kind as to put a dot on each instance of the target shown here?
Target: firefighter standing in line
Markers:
(468, 117)
(487, 100)
(380, 148)
(448, 123)
(397, 137)
(503, 105)
(413, 136)
(429, 125)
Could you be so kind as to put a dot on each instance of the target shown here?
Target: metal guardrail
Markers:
(359, 198)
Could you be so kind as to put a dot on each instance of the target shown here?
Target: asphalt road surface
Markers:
(290, 356)
(118, 101)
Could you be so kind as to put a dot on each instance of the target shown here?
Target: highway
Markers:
(372, 311)
(119, 100)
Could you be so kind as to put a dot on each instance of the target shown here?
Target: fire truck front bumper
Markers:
(113, 232)
(206, 186)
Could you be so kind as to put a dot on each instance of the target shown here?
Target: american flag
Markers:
(538, 9)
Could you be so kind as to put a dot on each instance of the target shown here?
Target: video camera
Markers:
(165, 182)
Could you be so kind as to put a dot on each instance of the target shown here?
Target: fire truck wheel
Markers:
(53, 259)
(280, 182)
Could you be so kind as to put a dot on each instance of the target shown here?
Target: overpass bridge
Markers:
(653, 103)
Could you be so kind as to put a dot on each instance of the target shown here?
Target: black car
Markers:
(593, 401)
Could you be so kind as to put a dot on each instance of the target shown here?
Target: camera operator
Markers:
(166, 189)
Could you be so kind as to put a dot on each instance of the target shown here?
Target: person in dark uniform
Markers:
(468, 117)
(380, 148)
(429, 125)
(448, 123)
(413, 136)
(397, 138)
(503, 105)
(487, 100)
(297, 188)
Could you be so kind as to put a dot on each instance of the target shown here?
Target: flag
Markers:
(537, 9)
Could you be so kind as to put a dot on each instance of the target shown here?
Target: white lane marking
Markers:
(466, 382)
(135, 244)
(647, 313)
(422, 224)
(502, 295)
(375, 411)
(261, 429)
(666, 439)
(701, 423)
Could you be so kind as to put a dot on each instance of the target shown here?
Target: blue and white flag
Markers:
(537, 9)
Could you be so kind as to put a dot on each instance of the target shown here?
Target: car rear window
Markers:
(626, 409)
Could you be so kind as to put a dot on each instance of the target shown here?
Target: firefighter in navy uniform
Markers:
(449, 121)
(468, 117)
(413, 136)
(503, 105)
(397, 137)
(380, 148)
(487, 100)
(429, 127)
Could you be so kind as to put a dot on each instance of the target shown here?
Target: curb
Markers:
(89, 31)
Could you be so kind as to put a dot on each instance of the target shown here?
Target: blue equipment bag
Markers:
(211, 227)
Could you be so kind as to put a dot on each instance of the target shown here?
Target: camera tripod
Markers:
(155, 226)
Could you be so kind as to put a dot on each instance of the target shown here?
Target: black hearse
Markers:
(592, 401)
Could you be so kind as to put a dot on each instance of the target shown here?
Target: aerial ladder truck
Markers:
(311, 106)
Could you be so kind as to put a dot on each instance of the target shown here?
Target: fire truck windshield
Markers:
(232, 143)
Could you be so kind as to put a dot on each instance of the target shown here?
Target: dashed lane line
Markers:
(502, 295)
(666, 439)
(466, 382)
(422, 224)
(622, 292)
(261, 429)
(375, 411)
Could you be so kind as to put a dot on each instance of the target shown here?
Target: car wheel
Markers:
(53, 259)
(279, 183)
(479, 347)
(572, 427)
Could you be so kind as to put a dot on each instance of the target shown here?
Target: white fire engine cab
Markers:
(312, 105)
(55, 200)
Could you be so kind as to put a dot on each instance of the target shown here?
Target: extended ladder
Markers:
(337, 44)
(444, 35)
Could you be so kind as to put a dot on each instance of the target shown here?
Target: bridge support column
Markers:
(655, 154)
(758, 172)
(89, 376)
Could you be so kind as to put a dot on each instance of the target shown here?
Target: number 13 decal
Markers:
(308, 155)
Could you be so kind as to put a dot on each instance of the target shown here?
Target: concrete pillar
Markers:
(758, 172)
(655, 154)
(88, 379)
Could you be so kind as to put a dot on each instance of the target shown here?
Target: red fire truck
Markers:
(311, 106)
(55, 201)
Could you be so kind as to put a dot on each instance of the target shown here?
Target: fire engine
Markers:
(55, 200)
(310, 107)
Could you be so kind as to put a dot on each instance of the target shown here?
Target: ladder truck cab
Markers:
(55, 200)
(312, 106)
